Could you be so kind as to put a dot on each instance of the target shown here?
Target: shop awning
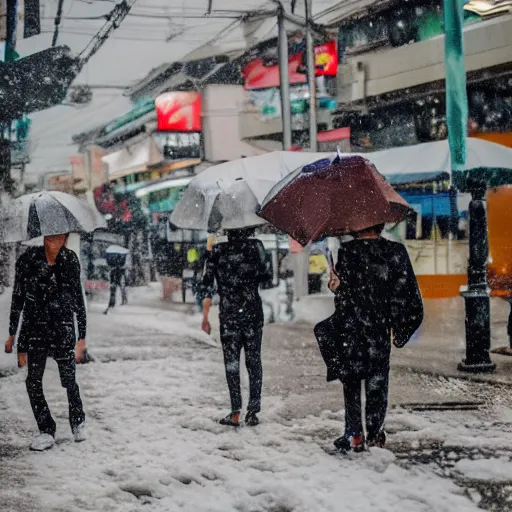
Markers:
(145, 123)
(131, 159)
(163, 185)
(174, 165)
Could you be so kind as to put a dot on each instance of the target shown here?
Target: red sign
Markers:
(326, 59)
(259, 76)
(334, 135)
(179, 112)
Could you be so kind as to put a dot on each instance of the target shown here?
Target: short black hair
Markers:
(377, 228)
(237, 234)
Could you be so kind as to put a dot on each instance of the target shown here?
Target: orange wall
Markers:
(499, 211)
(503, 138)
(441, 286)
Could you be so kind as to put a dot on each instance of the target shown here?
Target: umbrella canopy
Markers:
(48, 213)
(333, 199)
(214, 208)
(228, 195)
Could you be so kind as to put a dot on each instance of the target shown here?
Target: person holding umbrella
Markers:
(238, 266)
(48, 291)
(377, 299)
(48, 297)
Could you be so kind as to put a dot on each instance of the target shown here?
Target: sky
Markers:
(155, 32)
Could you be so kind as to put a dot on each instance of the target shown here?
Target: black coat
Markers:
(238, 267)
(378, 295)
(49, 296)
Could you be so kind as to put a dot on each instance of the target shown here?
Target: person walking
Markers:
(377, 302)
(117, 263)
(47, 289)
(238, 267)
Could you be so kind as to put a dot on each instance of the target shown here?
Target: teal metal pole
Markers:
(476, 297)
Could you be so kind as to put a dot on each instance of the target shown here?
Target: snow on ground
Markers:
(494, 470)
(153, 398)
(155, 439)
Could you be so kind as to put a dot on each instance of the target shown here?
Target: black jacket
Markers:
(238, 267)
(378, 295)
(49, 296)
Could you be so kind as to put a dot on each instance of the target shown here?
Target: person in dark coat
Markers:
(377, 302)
(238, 268)
(117, 264)
(48, 291)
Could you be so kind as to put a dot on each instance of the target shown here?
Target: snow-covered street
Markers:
(153, 398)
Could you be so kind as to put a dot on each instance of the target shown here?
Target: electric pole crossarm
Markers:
(114, 20)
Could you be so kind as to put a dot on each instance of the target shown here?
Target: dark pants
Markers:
(118, 279)
(233, 338)
(376, 405)
(36, 365)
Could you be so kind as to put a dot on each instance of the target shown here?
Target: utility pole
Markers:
(310, 51)
(284, 81)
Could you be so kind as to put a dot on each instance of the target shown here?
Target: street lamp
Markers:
(476, 296)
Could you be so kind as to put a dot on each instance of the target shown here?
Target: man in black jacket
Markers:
(238, 267)
(377, 302)
(48, 291)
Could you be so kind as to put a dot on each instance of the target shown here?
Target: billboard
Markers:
(260, 75)
(179, 112)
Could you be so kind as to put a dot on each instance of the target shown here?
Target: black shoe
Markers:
(379, 441)
(355, 443)
(231, 420)
(342, 444)
(251, 420)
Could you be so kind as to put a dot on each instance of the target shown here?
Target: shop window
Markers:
(397, 26)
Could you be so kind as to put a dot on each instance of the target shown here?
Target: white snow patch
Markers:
(487, 470)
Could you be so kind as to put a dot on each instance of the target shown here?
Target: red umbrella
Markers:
(320, 200)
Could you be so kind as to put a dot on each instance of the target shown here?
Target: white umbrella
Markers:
(228, 195)
(48, 213)
(214, 208)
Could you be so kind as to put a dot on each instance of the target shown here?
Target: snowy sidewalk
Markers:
(153, 399)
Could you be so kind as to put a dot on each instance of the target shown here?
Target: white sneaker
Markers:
(42, 442)
(79, 433)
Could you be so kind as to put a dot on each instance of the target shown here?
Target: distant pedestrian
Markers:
(48, 291)
(116, 260)
(238, 267)
(377, 302)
